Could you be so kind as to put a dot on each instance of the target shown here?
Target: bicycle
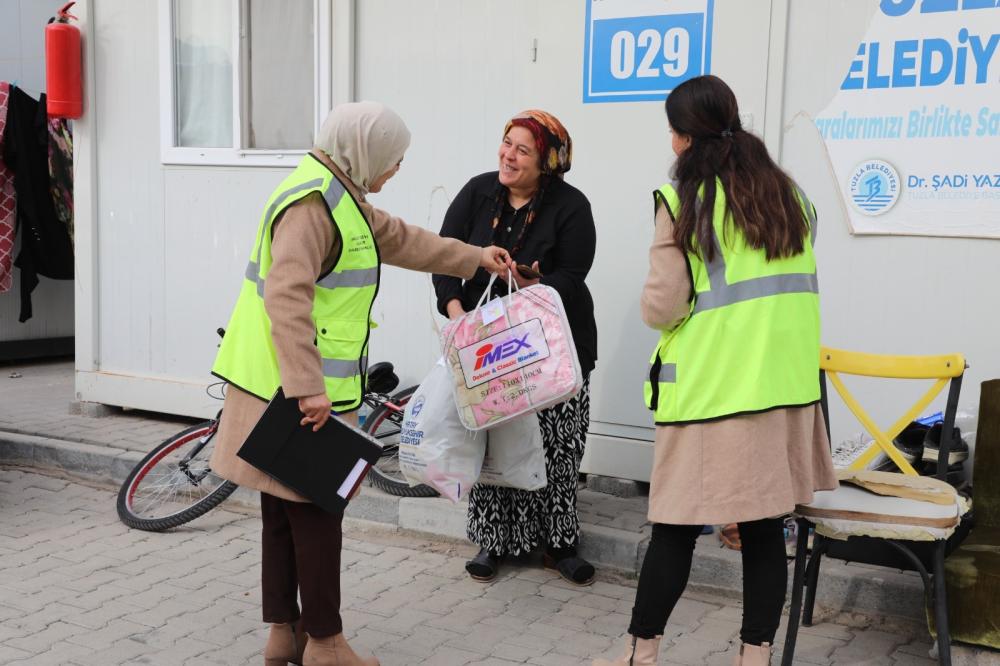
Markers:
(173, 484)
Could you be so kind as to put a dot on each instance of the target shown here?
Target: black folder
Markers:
(325, 466)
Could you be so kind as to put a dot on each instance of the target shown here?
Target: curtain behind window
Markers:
(282, 81)
(203, 58)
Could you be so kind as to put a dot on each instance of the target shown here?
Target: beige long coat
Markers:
(305, 243)
(735, 469)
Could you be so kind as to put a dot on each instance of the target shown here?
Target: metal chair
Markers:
(907, 534)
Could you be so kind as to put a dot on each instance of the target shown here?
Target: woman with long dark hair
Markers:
(734, 379)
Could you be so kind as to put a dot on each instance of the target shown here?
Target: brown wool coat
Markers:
(305, 244)
(736, 469)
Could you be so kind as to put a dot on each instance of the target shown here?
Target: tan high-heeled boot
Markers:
(284, 646)
(333, 651)
(638, 652)
(753, 655)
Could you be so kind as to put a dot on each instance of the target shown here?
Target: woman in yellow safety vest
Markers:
(302, 322)
(734, 378)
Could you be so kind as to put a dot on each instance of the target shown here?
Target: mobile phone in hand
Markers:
(528, 272)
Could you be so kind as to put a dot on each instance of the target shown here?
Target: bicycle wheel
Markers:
(166, 489)
(385, 474)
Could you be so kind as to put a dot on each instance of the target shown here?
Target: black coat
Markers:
(562, 239)
(46, 248)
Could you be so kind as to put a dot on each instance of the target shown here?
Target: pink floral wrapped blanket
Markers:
(513, 356)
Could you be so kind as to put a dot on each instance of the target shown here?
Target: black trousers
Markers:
(667, 564)
(301, 555)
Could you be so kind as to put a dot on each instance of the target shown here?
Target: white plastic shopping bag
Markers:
(515, 457)
(511, 356)
(434, 447)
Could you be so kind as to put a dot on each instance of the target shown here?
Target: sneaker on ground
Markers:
(851, 449)
(958, 452)
(955, 475)
(910, 442)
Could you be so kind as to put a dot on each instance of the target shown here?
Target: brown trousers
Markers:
(301, 557)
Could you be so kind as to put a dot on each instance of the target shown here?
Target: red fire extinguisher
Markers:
(64, 85)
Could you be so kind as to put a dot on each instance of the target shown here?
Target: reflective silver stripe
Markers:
(810, 214)
(668, 373)
(308, 185)
(352, 277)
(333, 193)
(340, 369)
(770, 285)
(812, 223)
(253, 274)
(721, 293)
(355, 277)
(717, 267)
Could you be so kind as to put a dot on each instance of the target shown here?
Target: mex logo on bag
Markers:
(503, 353)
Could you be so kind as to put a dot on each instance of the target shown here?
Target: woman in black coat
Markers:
(546, 224)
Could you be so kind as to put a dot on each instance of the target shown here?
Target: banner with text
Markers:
(914, 131)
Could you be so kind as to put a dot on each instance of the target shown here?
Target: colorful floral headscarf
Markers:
(555, 150)
(555, 147)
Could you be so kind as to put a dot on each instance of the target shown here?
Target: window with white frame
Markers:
(248, 82)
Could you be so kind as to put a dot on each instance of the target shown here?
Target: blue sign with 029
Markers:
(642, 58)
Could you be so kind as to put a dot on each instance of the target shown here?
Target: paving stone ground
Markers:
(78, 588)
(37, 401)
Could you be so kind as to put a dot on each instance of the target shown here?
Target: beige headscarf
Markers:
(364, 139)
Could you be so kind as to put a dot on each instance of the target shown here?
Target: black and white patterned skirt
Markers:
(507, 521)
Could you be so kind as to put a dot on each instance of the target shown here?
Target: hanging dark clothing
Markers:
(61, 170)
(8, 203)
(46, 248)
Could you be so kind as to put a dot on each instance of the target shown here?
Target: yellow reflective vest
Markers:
(341, 304)
(750, 342)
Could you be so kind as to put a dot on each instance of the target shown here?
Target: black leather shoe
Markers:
(958, 452)
(572, 568)
(910, 442)
(955, 475)
(483, 567)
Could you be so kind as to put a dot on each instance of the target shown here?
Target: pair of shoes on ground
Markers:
(643, 652)
(571, 567)
(285, 646)
(921, 446)
(919, 442)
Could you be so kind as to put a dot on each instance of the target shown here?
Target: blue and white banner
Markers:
(914, 131)
(640, 50)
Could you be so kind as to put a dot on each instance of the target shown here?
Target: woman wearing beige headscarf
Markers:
(315, 227)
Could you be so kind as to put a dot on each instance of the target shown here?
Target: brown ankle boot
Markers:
(284, 646)
(333, 651)
(638, 652)
(753, 655)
